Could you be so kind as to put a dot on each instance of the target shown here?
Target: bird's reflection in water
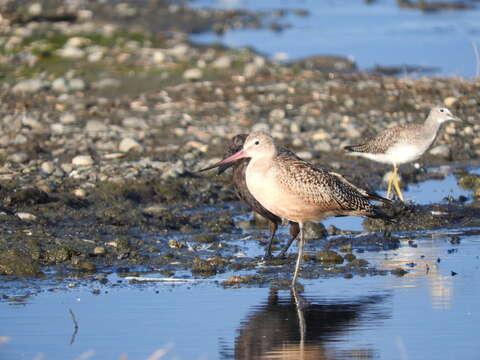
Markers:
(296, 328)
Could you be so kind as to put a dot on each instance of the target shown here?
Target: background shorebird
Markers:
(403, 144)
(294, 190)
(239, 181)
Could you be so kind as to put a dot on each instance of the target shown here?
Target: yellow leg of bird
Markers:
(396, 184)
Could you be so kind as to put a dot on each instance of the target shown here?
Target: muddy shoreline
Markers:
(104, 124)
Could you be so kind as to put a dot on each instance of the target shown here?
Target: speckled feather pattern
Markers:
(403, 134)
(330, 192)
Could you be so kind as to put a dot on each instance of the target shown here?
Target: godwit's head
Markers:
(257, 145)
(440, 114)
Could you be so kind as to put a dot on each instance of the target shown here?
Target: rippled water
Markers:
(379, 33)
(430, 313)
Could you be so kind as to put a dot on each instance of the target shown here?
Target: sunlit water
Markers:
(430, 313)
(378, 33)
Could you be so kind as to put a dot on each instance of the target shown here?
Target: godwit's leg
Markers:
(301, 244)
(395, 183)
(273, 229)
(294, 230)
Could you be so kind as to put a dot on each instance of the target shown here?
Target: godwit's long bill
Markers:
(403, 144)
(295, 190)
(240, 183)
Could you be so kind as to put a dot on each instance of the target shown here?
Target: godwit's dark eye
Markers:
(442, 110)
(257, 142)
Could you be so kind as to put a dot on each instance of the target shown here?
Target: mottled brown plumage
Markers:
(295, 190)
(239, 181)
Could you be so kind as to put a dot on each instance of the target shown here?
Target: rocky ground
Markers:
(107, 110)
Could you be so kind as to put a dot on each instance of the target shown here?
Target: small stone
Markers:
(77, 41)
(77, 84)
(328, 257)
(193, 74)
(26, 216)
(441, 150)
(30, 86)
(175, 244)
(158, 57)
(82, 160)
(19, 157)
(71, 52)
(68, 118)
(222, 62)
(35, 9)
(107, 83)
(305, 155)
(129, 144)
(314, 231)
(99, 250)
(399, 272)
(60, 85)
(450, 101)
(323, 146)
(47, 167)
(277, 114)
(94, 126)
(81, 193)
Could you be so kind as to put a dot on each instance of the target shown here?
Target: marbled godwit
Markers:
(295, 190)
(239, 181)
(403, 144)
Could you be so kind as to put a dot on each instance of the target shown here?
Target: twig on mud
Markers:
(75, 326)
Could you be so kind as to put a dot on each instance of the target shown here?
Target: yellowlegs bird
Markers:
(239, 181)
(295, 190)
(403, 144)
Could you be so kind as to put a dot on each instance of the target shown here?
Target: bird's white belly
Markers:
(404, 153)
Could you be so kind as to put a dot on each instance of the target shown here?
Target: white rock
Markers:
(77, 84)
(261, 127)
(129, 144)
(77, 41)
(35, 9)
(179, 50)
(134, 122)
(305, 155)
(440, 150)
(79, 193)
(193, 74)
(94, 126)
(82, 160)
(68, 118)
(30, 86)
(60, 85)
(57, 128)
(71, 52)
(323, 146)
(19, 157)
(158, 57)
(47, 167)
(222, 62)
(26, 216)
(450, 101)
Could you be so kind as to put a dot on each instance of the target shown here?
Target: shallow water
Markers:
(379, 33)
(430, 313)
